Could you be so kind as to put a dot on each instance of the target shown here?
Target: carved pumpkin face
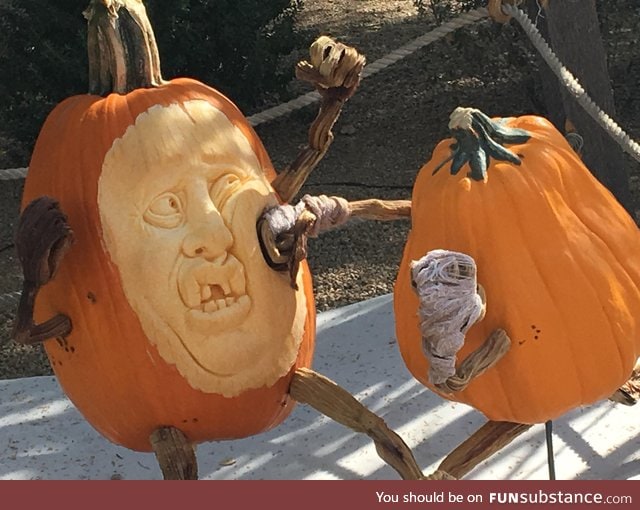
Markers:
(556, 256)
(177, 319)
(179, 194)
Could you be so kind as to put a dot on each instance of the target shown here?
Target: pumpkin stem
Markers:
(123, 55)
(478, 139)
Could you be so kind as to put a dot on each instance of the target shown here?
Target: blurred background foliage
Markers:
(233, 45)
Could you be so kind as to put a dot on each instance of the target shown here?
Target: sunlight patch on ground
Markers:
(338, 14)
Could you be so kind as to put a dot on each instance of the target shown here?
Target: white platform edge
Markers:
(42, 436)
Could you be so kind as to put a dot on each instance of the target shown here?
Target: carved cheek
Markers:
(242, 210)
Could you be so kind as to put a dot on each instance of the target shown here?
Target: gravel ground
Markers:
(384, 135)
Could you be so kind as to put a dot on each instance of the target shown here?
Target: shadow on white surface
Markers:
(42, 436)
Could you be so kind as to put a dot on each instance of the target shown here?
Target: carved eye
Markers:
(223, 188)
(165, 211)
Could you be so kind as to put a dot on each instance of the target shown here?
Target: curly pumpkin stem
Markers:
(478, 139)
(123, 55)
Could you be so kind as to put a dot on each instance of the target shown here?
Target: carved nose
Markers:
(208, 239)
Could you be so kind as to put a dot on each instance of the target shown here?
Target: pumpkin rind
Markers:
(557, 257)
(107, 367)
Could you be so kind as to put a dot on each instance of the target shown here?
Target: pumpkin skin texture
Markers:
(124, 382)
(558, 259)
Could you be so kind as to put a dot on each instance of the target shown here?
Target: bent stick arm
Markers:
(327, 397)
(335, 71)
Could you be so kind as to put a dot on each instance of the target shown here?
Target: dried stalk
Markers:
(175, 454)
(380, 210)
(335, 72)
(489, 439)
(439, 475)
(327, 397)
(478, 362)
(123, 54)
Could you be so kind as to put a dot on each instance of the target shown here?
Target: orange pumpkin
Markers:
(127, 367)
(557, 257)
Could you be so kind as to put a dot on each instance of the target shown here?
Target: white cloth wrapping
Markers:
(330, 212)
(446, 285)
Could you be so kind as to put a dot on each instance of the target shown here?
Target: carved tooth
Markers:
(206, 292)
(226, 288)
(230, 301)
(211, 306)
(242, 300)
(221, 304)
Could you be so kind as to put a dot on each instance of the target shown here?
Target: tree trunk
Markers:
(553, 107)
(572, 29)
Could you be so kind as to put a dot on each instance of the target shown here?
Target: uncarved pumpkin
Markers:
(114, 367)
(557, 257)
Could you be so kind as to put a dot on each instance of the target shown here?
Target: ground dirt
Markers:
(386, 132)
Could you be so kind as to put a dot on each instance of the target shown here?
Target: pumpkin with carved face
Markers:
(177, 318)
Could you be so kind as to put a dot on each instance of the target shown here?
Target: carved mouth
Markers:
(215, 291)
(218, 296)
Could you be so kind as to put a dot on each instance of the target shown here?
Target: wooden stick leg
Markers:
(175, 454)
(327, 397)
(489, 439)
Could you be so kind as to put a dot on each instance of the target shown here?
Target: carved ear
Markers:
(42, 239)
(43, 236)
